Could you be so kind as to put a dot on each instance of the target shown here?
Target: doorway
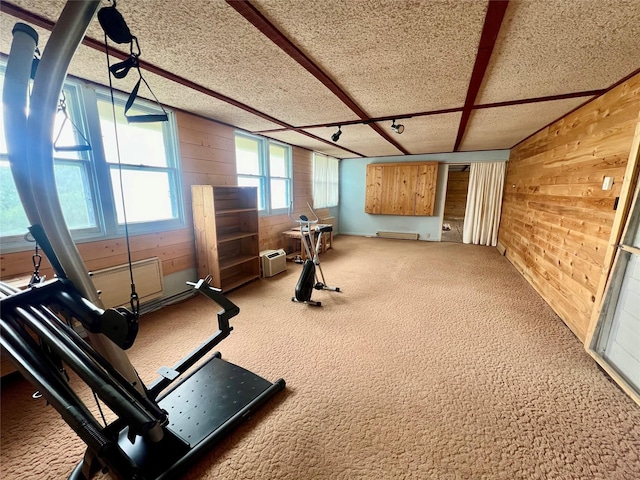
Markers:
(455, 203)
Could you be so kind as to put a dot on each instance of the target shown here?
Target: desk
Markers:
(293, 239)
(293, 242)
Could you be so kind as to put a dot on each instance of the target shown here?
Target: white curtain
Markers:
(325, 181)
(484, 203)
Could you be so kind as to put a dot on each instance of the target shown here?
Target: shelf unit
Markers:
(225, 221)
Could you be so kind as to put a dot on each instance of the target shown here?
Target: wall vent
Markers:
(398, 235)
(114, 283)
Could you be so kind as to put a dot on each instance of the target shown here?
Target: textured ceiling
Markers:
(551, 47)
(511, 124)
(333, 62)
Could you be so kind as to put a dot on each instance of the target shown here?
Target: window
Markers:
(325, 181)
(146, 172)
(265, 164)
(90, 183)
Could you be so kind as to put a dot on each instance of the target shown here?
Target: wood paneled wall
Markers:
(207, 151)
(272, 227)
(556, 219)
(455, 202)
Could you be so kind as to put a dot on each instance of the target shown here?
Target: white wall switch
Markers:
(607, 184)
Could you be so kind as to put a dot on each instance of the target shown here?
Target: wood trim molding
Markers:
(253, 15)
(629, 195)
(629, 186)
(492, 24)
(507, 103)
(42, 22)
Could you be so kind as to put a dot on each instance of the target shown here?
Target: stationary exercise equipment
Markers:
(311, 231)
(159, 429)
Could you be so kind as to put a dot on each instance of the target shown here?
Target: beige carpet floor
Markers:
(438, 361)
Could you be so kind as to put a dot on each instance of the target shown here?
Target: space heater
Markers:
(273, 262)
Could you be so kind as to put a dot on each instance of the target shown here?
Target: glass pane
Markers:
(13, 220)
(623, 334)
(3, 142)
(75, 195)
(279, 193)
(635, 236)
(277, 161)
(140, 143)
(247, 156)
(147, 195)
(253, 182)
(65, 132)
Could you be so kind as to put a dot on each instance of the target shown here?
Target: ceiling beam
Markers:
(373, 119)
(507, 103)
(548, 98)
(253, 15)
(492, 23)
(47, 24)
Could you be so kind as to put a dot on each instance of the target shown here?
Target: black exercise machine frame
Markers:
(150, 439)
(41, 363)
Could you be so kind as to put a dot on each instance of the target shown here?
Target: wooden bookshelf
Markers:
(225, 221)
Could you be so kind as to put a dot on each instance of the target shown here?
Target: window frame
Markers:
(81, 99)
(264, 177)
(170, 139)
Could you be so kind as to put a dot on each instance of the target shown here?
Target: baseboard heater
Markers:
(114, 283)
(398, 235)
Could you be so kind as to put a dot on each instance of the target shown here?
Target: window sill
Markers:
(15, 246)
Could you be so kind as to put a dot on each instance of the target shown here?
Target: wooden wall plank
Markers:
(401, 188)
(211, 160)
(455, 202)
(556, 220)
(207, 152)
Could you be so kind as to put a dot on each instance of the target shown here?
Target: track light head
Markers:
(399, 128)
(336, 136)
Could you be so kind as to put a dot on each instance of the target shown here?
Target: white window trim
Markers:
(265, 178)
(87, 119)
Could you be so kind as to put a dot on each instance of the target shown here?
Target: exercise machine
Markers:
(160, 429)
(311, 231)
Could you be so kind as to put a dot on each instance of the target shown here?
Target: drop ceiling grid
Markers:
(389, 57)
(429, 134)
(503, 127)
(360, 138)
(295, 138)
(90, 64)
(550, 47)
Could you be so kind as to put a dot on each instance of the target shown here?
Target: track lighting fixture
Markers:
(336, 136)
(397, 128)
